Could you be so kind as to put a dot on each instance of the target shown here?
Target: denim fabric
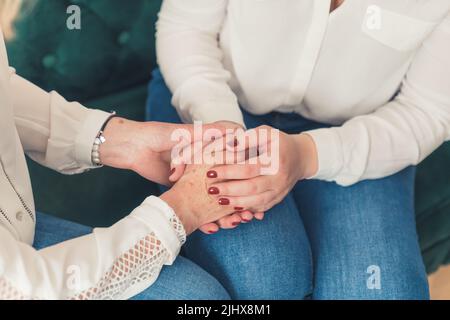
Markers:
(323, 241)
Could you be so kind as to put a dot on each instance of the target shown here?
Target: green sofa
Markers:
(107, 65)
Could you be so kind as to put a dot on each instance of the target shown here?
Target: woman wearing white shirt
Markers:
(362, 90)
(109, 263)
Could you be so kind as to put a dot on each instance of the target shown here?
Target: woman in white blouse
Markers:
(109, 263)
(361, 89)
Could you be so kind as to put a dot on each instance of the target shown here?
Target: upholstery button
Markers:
(123, 38)
(19, 216)
(49, 61)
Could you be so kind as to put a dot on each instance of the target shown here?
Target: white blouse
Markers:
(111, 263)
(378, 70)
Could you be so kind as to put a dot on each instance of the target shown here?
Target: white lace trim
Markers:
(140, 263)
(8, 292)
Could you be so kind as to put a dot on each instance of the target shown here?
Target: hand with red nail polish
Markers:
(196, 205)
(245, 185)
(229, 222)
(240, 215)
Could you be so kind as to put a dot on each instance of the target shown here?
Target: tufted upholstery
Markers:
(113, 51)
(107, 65)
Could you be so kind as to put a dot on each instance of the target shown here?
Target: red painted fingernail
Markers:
(238, 208)
(172, 171)
(213, 190)
(234, 143)
(235, 224)
(212, 232)
(212, 174)
(224, 201)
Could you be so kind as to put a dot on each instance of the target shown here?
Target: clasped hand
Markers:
(253, 172)
(219, 194)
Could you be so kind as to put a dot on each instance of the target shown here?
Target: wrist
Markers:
(307, 153)
(118, 149)
(181, 210)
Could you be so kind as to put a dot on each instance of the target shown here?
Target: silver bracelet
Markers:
(95, 149)
(99, 140)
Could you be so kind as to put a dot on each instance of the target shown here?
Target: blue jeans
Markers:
(184, 280)
(323, 241)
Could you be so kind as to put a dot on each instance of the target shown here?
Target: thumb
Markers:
(176, 172)
(177, 168)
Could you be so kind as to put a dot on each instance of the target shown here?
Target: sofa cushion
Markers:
(433, 208)
(113, 50)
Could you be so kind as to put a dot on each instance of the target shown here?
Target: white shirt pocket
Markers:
(395, 30)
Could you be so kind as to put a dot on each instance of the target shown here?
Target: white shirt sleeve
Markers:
(56, 133)
(401, 133)
(112, 263)
(191, 60)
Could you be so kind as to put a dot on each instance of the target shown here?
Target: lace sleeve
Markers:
(132, 269)
(136, 266)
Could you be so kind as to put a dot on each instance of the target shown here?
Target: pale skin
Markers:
(145, 148)
(243, 186)
(240, 215)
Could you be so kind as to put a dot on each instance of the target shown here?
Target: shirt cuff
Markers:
(215, 112)
(163, 221)
(85, 139)
(329, 152)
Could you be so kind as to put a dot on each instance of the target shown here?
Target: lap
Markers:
(184, 280)
(355, 230)
(51, 230)
(267, 259)
(350, 231)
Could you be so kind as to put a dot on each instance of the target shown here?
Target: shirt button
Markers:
(19, 216)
